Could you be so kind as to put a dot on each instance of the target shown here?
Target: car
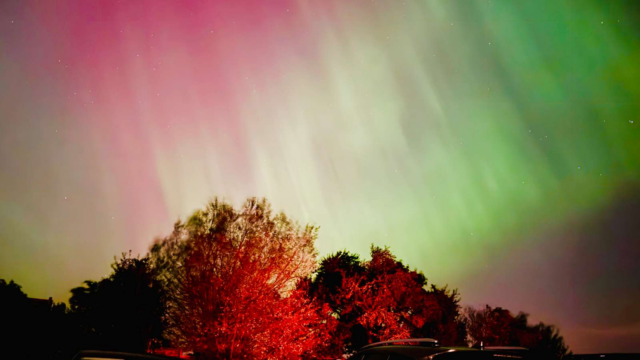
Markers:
(606, 356)
(430, 349)
(114, 355)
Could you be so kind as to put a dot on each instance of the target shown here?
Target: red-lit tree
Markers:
(382, 299)
(232, 277)
(447, 323)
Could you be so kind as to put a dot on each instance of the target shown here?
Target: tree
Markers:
(447, 323)
(13, 310)
(25, 321)
(232, 280)
(11, 294)
(382, 299)
(498, 327)
(490, 326)
(122, 312)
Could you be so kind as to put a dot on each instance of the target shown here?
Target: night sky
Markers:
(494, 145)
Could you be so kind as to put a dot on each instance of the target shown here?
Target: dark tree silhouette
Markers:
(498, 327)
(11, 294)
(123, 311)
(25, 321)
(13, 310)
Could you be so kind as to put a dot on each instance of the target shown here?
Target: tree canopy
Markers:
(25, 321)
(123, 311)
(245, 283)
(231, 278)
(499, 327)
(382, 299)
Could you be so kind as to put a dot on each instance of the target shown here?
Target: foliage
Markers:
(382, 299)
(13, 306)
(447, 323)
(11, 294)
(123, 311)
(231, 278)
(25, 322)
(245, 283)
(498, 327)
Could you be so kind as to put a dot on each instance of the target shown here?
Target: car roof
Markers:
(417, 352)
(605, 356)
(420, 352)
(115, 355)
(430, 341)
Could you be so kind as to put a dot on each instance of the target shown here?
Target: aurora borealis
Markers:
(494, 145)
